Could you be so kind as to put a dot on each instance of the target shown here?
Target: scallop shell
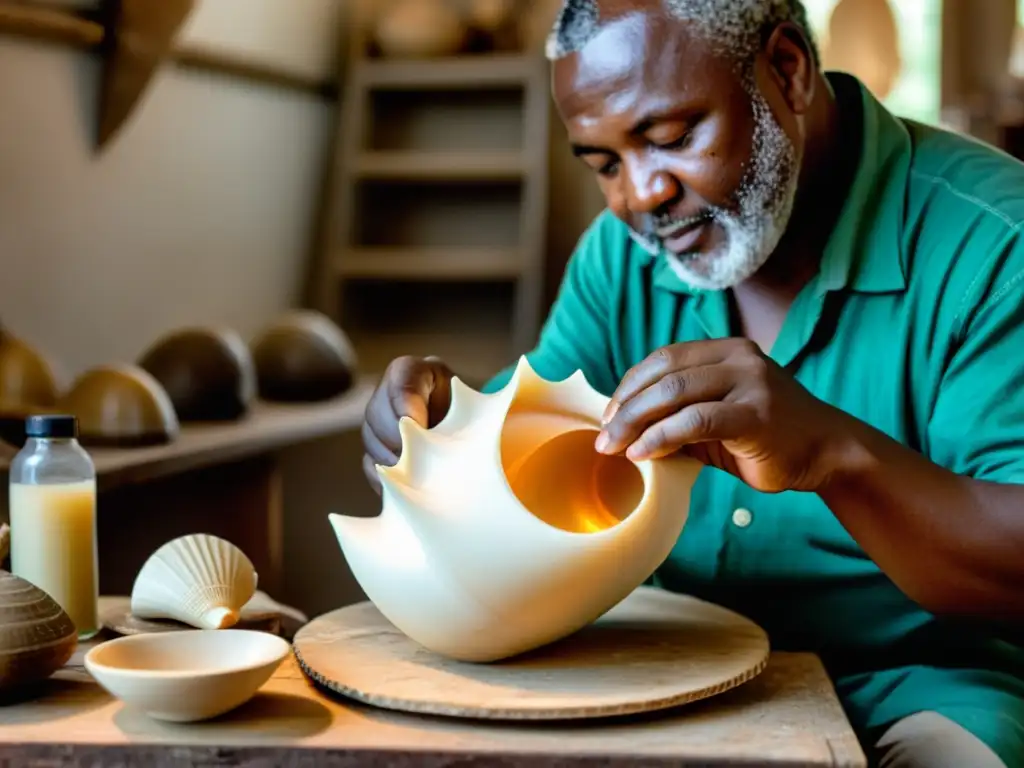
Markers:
(37, 637)
(199, 579)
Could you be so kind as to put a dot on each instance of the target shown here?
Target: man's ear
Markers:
(791, 65)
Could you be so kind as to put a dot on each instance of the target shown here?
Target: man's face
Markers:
(686, 148)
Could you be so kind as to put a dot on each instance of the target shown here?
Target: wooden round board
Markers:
(654, 650)
(261, 613)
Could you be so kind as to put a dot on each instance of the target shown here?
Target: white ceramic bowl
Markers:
(188, 675)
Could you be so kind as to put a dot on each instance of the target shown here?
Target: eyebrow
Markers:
(579, 150)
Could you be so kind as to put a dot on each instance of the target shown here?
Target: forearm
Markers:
(953, 544)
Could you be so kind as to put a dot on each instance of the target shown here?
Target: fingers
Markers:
(409, 393)
(663, 361)
(381, 422)
(703, 422)
(667, 395)
(440, 396)
(404, 391)
(420, 389)
(375, 449)
(413, 387)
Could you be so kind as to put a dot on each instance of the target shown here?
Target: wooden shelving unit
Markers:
(268, 427)
(436, 214)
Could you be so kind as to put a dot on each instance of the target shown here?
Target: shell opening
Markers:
(567, 484)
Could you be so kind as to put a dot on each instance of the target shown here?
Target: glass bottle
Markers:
(53, 518)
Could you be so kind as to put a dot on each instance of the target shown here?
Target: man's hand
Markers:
(727, 404)
(419, 388)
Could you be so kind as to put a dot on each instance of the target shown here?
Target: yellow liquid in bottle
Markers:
(53, 546)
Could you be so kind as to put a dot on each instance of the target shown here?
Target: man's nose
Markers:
(650, 189)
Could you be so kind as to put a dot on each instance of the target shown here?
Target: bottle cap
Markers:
(51, 425)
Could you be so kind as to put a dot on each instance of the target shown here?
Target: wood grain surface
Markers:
(654, 650)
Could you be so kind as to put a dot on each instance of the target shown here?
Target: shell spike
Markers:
(414, 439)
(470, 408)
(578, 379)
(390, 479)
(354, 531)
(399, 497)
(523, 373)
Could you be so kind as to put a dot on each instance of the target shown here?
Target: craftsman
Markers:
(823, 303)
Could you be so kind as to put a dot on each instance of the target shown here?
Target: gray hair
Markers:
(733, 27)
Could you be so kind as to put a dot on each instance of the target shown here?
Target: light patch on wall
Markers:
(300, 36)
(200, 212)
(916, 91)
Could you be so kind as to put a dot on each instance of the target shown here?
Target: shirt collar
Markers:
(864, 252)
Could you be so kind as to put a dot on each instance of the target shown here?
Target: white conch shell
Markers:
(199, 579)
(503, 529)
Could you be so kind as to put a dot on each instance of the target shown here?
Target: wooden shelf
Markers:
(474, 356)
(436, 215)
(268, 427)
(414, 165)
(457, 72)
(467, 326)
(433, 236)
(429, 264)
(64, 23)
(54, 24)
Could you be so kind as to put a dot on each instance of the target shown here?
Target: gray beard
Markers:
(764, 206)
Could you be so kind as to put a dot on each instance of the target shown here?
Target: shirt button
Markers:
(741, 518)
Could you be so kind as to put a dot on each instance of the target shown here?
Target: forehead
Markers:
(641, 59)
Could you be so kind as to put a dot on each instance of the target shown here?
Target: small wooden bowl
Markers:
(26, 376)
(208, 373)
(188, 676)
(121, 406)
(36, 636)
(12, 422)
(303, 357)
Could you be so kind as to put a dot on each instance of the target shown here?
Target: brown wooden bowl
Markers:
(26, 376)
(12, 421)
(208, 373)
(121, 406)
(37, 637)
(303, 357)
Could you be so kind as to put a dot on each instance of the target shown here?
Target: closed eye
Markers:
(609, 169)
(679, 143)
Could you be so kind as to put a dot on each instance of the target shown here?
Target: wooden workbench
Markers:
(788, 716)
(222, 479)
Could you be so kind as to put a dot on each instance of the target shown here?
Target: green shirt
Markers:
(914, 324)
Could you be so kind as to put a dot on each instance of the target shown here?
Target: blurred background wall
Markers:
(205, 208)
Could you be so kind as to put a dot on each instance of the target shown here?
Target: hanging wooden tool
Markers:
(139, 39)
